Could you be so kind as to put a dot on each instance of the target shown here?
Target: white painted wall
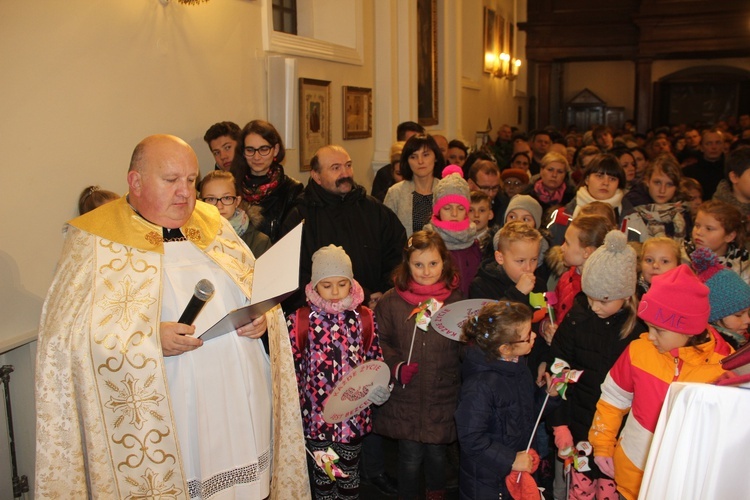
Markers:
(84, 81)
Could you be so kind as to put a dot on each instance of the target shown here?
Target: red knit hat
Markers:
(677, 301)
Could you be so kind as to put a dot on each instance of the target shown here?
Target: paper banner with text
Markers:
(451, 317)
(349, 397)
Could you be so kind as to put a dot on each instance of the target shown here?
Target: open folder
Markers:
(276, 276)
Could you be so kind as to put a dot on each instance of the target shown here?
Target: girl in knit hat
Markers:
(330, 336)
(680, 346)
(600, 324)
(729, 297)
(451, 201)
(426, 373)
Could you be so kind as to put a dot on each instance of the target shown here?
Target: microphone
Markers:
(204, 290)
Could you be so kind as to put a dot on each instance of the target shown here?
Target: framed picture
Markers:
(314, 118)
(490, 40)
(427, 83)
(357, 113)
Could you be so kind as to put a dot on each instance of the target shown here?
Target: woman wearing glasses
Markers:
(260, 177)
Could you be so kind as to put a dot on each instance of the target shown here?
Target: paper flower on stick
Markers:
(536, 300)
(562, 375)
(326, 460)
(424, 312)
(577, 457)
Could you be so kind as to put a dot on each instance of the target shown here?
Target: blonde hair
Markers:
(661, 240)
(515, 231)
(553, 157)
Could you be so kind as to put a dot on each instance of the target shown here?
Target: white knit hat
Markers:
(329, 262)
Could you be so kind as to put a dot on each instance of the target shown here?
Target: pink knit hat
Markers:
(677, 301)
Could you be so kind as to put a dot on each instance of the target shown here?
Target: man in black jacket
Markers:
(338, 211)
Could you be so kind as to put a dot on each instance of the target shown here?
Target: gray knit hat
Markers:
(525, 202)
(330, 261)
(452, 188)
(610, 272)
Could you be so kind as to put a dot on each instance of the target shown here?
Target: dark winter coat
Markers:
(494, 419)
(492, 282)
(369, 232)
(591, 344)
(423, 410)
(276, 205)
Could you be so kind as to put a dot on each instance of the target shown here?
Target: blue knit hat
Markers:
(728, 293)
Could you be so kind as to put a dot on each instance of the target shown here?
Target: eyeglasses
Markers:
(225, 200)
(512, 182)
(263, 151)
(491, 189)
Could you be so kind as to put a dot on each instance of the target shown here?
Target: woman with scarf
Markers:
(552, 189)
(263, 185)
(603, 180)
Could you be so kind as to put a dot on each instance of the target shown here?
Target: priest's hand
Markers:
(177, 338)
(255, 329)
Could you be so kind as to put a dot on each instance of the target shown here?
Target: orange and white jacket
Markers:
(638, 383)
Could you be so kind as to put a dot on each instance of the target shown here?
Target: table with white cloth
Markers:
(701, 446)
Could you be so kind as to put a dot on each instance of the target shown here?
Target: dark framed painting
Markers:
(357, 113)
(427, 90)
(314, 118)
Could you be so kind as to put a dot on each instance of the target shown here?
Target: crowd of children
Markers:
(630, 316)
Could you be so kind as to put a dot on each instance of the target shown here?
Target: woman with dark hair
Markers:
(457, 152)
(262, 183)
(603, 180)
(411, 199)
(627, 162)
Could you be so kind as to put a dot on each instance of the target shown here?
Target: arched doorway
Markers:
(701, 95)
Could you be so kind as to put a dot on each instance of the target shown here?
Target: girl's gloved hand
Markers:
(406, 372)
(563, 438)
(379, 395)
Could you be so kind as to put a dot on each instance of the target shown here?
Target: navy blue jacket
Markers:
(494, 420)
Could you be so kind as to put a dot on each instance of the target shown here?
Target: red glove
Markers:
(563, 438)
(606, 465)
(406, 372)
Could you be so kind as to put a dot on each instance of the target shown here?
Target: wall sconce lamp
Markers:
(506, 67)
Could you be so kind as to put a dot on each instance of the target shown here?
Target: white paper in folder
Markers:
(275, 277)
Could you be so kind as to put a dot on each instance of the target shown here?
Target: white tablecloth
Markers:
(701, 447)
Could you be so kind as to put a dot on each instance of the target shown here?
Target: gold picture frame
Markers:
(314, 118)
(357, 112)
